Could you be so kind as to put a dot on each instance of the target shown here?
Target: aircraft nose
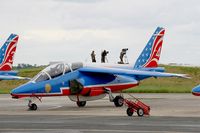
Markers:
(18, 92)
(14, 93)
(196, 90)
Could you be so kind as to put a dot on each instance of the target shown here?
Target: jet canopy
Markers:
(56, 70)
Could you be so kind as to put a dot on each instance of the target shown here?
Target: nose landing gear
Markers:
(32, 105)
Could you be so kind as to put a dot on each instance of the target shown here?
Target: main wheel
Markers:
(81, 103)
(118, 101)
(140, 112)
(33, 106)
(129, 111)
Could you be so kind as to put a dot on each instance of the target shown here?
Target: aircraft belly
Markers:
(86, 98)
(99, 89)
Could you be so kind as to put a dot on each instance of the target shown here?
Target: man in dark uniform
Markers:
(103, 56)
(122, 53)
(93, 56)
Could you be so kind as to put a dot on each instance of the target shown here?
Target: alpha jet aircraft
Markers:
(86, 82)
(196, 90)
(7, 52)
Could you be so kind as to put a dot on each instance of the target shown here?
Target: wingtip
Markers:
(186, 76)
(27, 78)
(24, 78)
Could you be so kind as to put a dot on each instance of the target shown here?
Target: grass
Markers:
(162, 86)
(151, 85)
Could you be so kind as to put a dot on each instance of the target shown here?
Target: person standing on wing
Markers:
(103, 56)
(93, 56)
(122, 55)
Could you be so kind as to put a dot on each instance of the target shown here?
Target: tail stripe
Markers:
(7, 53)
(151, 53)
(155, 53)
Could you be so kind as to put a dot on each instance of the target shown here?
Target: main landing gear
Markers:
(81, 103)
(118, 100)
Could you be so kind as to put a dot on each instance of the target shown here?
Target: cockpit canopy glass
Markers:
(76, 65)
(41, 77)
(56, 70)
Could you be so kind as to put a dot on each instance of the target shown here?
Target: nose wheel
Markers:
(32, 106)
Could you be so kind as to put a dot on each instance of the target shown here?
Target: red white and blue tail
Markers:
(151, 53)
(7, 52)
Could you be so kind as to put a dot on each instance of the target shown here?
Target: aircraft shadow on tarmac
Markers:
(74, 108)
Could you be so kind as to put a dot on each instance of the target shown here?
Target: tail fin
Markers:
(151, 53)
(7, 52)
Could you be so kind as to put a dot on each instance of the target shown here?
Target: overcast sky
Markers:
(56, 30)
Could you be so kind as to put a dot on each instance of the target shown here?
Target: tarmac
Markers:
(170, 113)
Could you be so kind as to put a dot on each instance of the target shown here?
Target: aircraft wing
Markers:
(10, 77)
(130, 72)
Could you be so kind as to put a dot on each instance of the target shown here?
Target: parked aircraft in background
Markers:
(7, 52)
(86, 82)
(196, 90)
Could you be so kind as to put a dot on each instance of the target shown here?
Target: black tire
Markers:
(118, 101)
(33, 106)
(81, 103)
(140, 112)
(129, 111)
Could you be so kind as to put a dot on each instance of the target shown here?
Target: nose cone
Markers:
(20, 91)
(15, 93)
(196, 90)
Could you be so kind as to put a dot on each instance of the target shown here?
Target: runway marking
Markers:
(128, 131)
(88, 130)
(56, 107)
